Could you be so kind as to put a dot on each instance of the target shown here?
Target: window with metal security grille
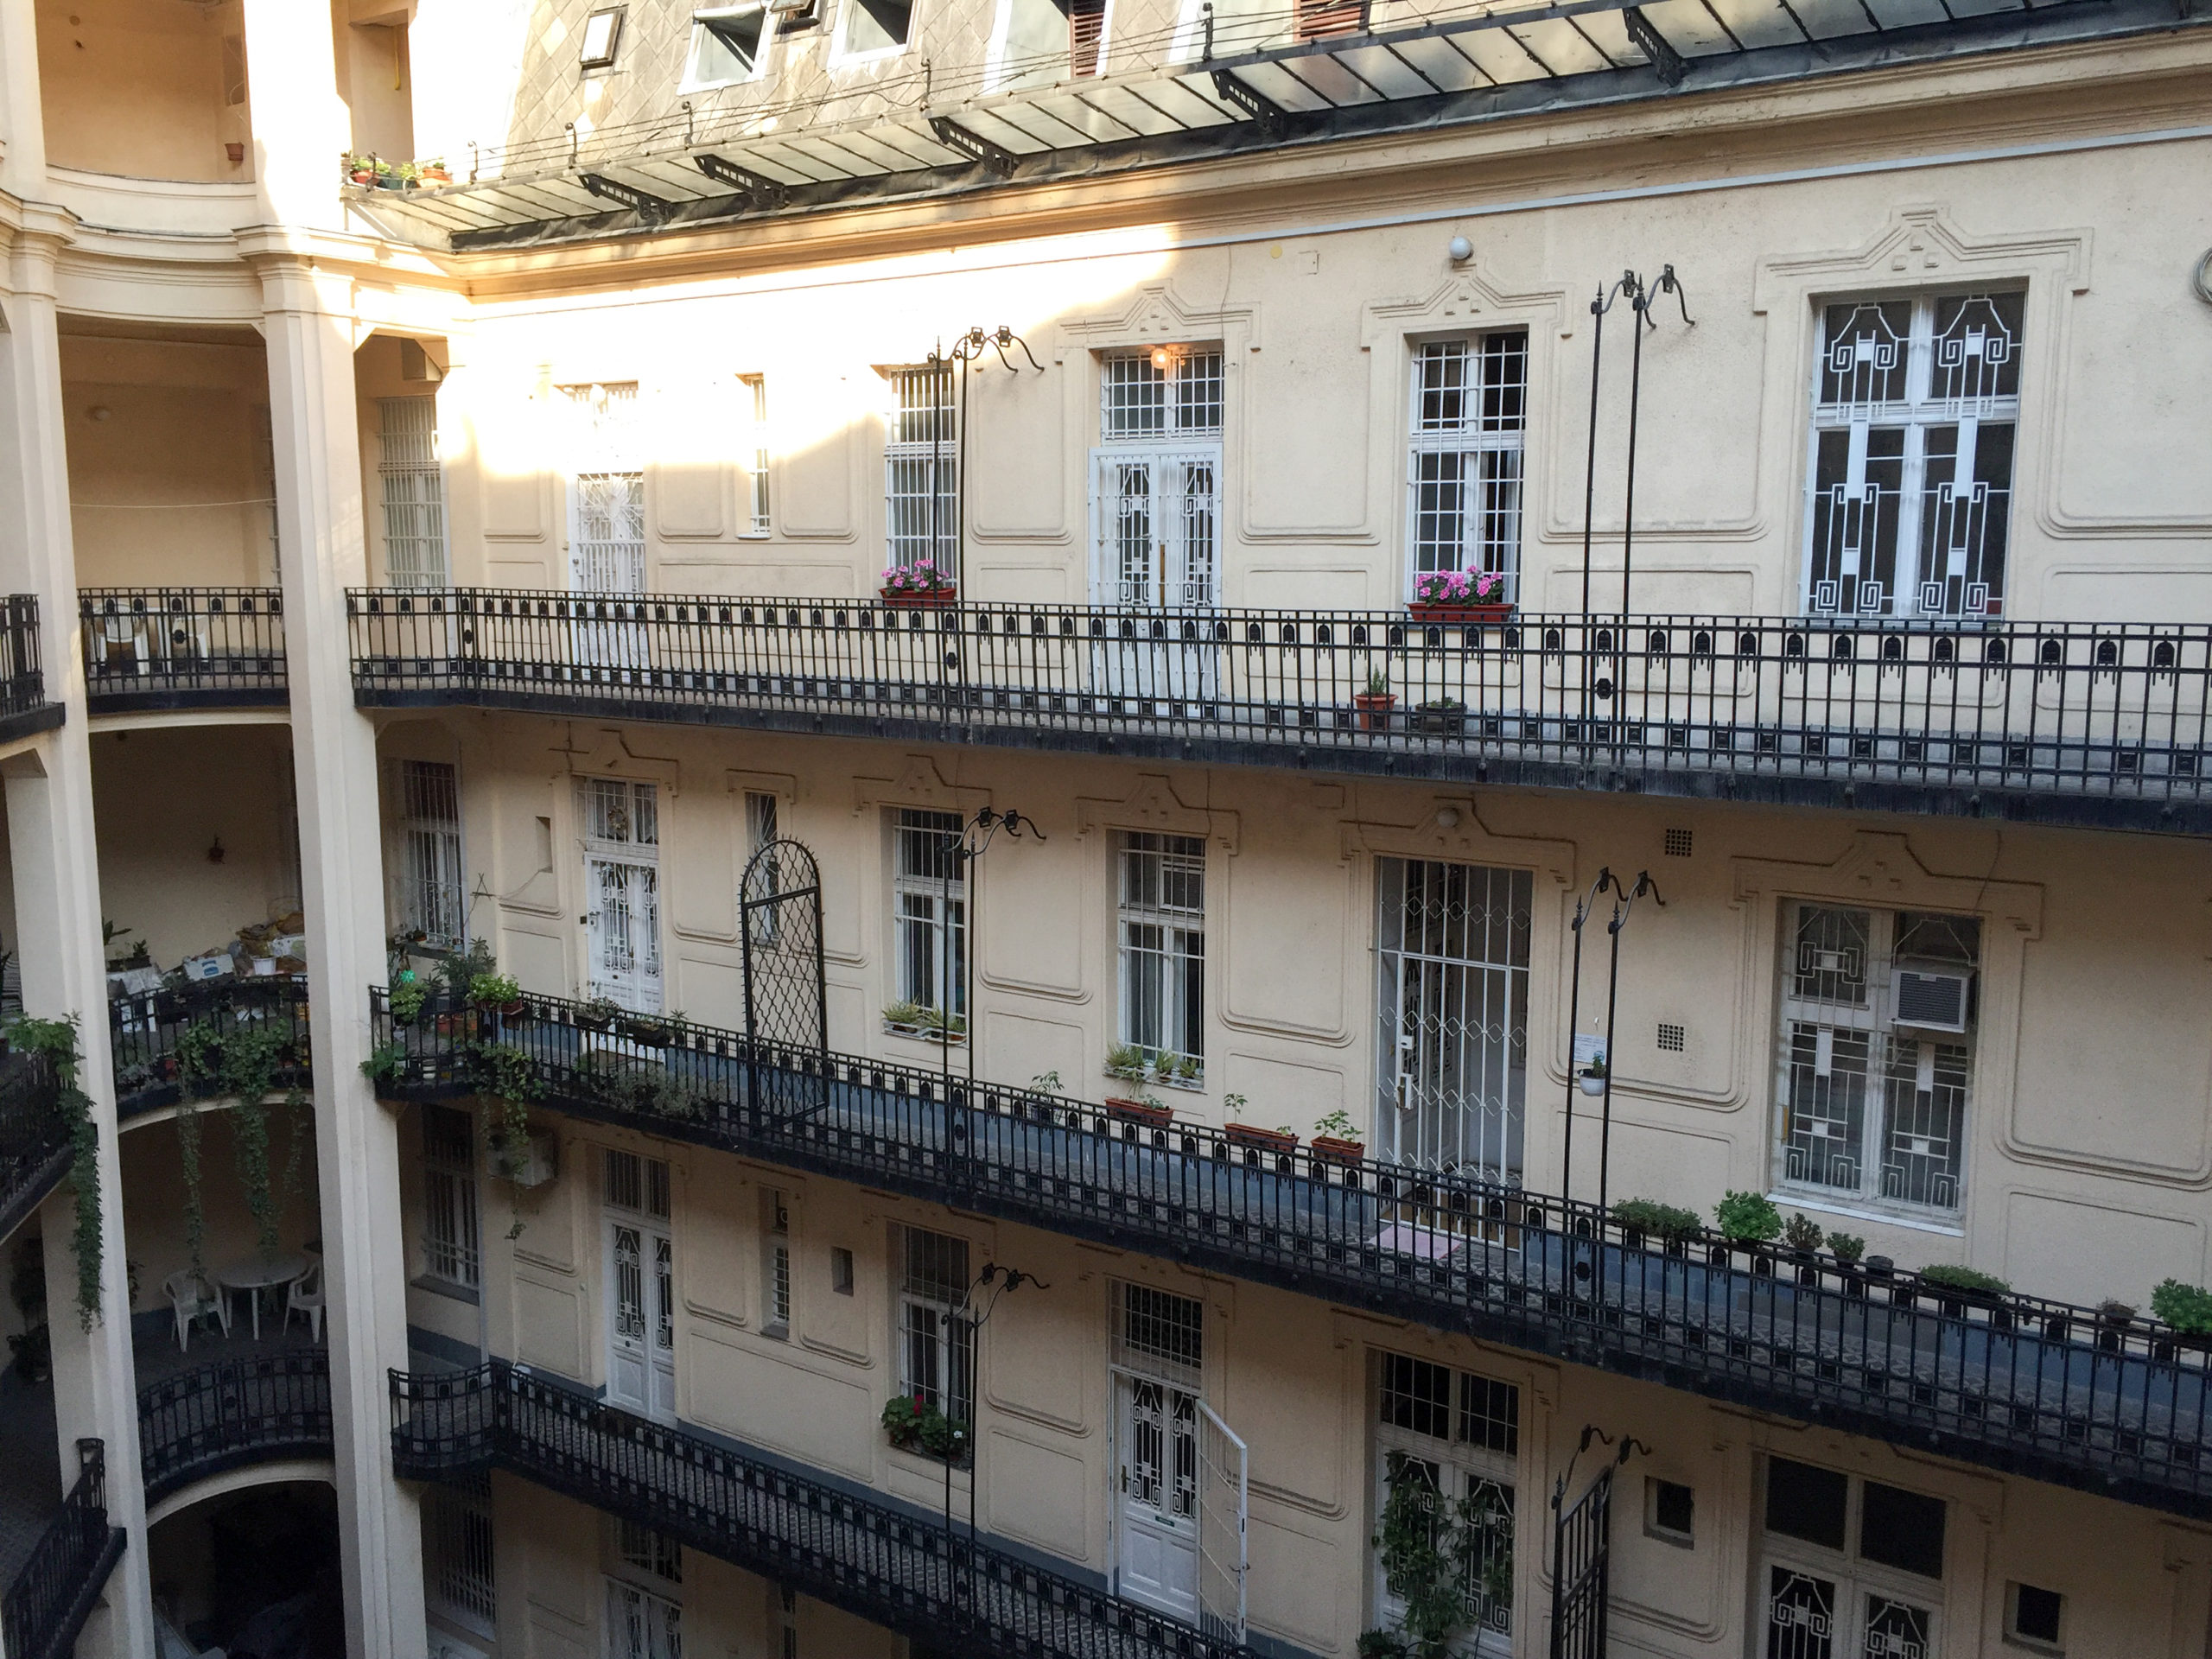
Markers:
(433, 893)
(930, 910)
(641, 1626)
(457, 1552)
(637, 1184)
(1160, 1334)
(921, 467)
(620, 820)
(607, 497)
(1162, 920)
(1673, 1039)
(414, 491)
(643, 1549)
(783, 1623)
(1915, 403)
(1457, 1434)
(1873, 1105)
(1452, 1002)
(1850, 1568)
(728, 44)
(1156, 479)
(451, 1247)
(775, 1264)
(936, 1337)
(1680, 842)
(756, 389)
(1463, 474)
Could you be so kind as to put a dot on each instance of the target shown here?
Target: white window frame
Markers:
(412, 488)
(1160, 942)
(1809, 1031)
(631, 848)
(604, 450)
(936, 1335)
(841, 53)
(1855, 1578)
(1463, 1463)
(452, 1245)
(1000, 73)
(431, 865)
(923, 904)
(761, 516)
(1937, 396)
(775, 1263)
(1477, 436)
(702, 21)
(914, 437)
(1162, 415)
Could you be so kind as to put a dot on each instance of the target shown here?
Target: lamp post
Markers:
(961, 850)
(999, 1281)
(968, 348)
(1624, 901)
(1639, 295)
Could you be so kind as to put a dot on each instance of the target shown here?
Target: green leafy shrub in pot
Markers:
(1848, 1247)
(2185, 1308)
(493, 990)
(1748, 1217)
(1802, 1232)
(406, 1001)
(1947, 1275)
(1666, 1221)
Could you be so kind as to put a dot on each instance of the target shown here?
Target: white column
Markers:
(319, 524)
(57, 889)
(302, 128)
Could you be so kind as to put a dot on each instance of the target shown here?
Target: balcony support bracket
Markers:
(1666, 63)
(764, 192)
(651, 208)
(976, 148)
(1257, 107)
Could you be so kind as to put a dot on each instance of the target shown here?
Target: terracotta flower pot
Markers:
(1375, 710)
(1337, 1150)
(1260, 1139)
(1144, 1112)
(1491, 614)
(920, 598)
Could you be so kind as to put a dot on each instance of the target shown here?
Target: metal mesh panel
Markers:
(413, 490)
(458, 1554)
(780, 942)
(1160, 1334)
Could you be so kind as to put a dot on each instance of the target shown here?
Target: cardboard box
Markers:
(213, 967)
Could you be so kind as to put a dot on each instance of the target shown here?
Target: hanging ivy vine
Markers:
(241, 1063)
(57, 1041)
(188, 1157)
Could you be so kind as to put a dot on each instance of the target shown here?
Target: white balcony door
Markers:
(640, 1316)
(1157, 1502)
(1156, 546)
(624, 931)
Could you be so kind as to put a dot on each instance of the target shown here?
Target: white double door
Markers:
(1156, 536)
(623, 930)
(607, 558)
(1180, 1505)
(641, 1316)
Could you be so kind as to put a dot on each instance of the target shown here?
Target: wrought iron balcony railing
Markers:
(35, 1149)
(54, 1594)
(24, 706)
(169, 1043)
(2063, 1393)
(150, 648)
(882, 1563)
(2105, 724)
(231, 1412)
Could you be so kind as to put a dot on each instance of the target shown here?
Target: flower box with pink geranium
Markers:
(1461, 597)
(919, 586)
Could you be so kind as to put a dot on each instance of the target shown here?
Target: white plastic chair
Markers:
(305, 1296)
(190, 1296)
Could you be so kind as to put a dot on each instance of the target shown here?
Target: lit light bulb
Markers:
(1161, 358)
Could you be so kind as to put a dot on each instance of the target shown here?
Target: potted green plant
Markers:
(1956, 1286)
(496, 991)
(1638, 1218)
(1591, 1079)
(1127, 1062)
(434, 171)
(1747, 1219)
(407, 1000)
(1373, 704)
(2187, 1308)
(361, 170)
(906, 1017)
(399, 177)
(1144, 1111)
(1440, 717)
(1334, 1139)
(1846, 1248)
(651, 1029)
(1251, 1137)
(597, 1014)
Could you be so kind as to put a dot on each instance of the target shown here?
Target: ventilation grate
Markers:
(1678, 843)
(1673, 1039)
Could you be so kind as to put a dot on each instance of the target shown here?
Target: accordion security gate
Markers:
(2045, 1388)
(2103, 724)
(881, 1563)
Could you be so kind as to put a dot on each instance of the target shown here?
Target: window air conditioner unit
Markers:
(1932, 998)
(533, 1163)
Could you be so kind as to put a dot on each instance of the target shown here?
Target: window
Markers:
(1852, 1569)
(602, 38)
(1908, 505)
(1669, 1511)
(643, 1550)
(937, 1339)
(641, 1626)
(1469, 416)
(1038, 42)
(1455, 1434)
(606, 502)
(866, 27)
(783, 1623)
(929, 912)
(452, 1250)
(414, 491)
(457, 1554)
(727, 44)
(1875, 1053)
(433, 894)
(775, 1264)
(756, 387)
(1163, 946)
(1156, 477)
(921, 488)
(1160, 1334)
(2035, 1618)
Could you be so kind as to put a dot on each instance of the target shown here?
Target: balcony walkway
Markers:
(2100, 725)
(2041, 1387)
(167, 649)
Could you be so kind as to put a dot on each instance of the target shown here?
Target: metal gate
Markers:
(786, 1027)
(1581, 1547)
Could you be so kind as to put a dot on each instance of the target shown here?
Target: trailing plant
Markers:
(1665, 1220)
(1947, 1275)
(300, 1118)
(1802, 1232)
(1848, 1247)
(57, 1041)
(2185, 1308)
(914, 1424)
(1443, 1559)
(406, 1001)
(506, 1074)
(1748, 1217)
(385, 1064)
(188, 1159)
